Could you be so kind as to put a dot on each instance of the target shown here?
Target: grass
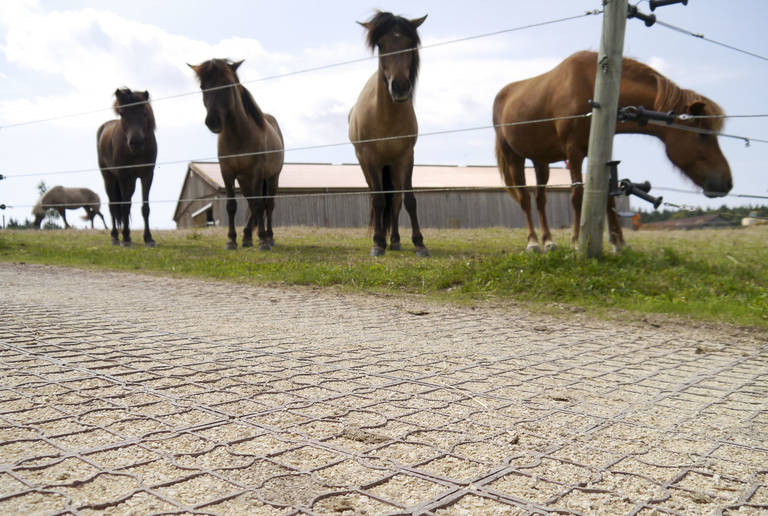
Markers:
(718, 276)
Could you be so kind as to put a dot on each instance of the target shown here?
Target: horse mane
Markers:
(133, 99)
(382, 24)
(213, 68)
(671, 97)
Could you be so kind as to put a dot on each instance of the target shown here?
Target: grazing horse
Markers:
(564, 91)
(61, 199)
(127, 151)
(384, 109)
(250, 147)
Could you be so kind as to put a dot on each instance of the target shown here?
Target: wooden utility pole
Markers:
(603, 127)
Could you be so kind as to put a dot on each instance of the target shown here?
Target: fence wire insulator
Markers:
(648, 19)
(641, 116)
(2, 177)
(627, 187)
(661, 3)
(2, 206)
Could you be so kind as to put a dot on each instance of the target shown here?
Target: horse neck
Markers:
(640, 90)
(237, 122)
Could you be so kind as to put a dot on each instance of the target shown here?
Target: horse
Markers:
(250, 148)
(564, 91)
(127, 150)
(61, 199)
(384, 109)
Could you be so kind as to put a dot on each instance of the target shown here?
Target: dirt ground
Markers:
(132, 394)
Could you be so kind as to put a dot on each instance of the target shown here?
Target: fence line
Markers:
(447, 189)
(308, 147)
(708, 40)
(748, 140)
(313, 69)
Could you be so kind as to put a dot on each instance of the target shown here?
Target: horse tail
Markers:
(505, 167)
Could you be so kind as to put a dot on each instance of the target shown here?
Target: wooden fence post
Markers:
(603, 127)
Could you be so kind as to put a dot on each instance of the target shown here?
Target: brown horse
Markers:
(127, 151)
(565, 91)
(250, 147)
(385, 109)
(61, 199)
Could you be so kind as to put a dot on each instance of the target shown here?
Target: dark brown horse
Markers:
(385, 109)
(250, 147)
(62, 198)
(564, 91)
(127, 151)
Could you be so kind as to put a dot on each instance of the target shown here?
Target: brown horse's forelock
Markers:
(131, 99)
(216, 70)
(382, 24)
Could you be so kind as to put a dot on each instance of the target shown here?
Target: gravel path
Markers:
(131, 394)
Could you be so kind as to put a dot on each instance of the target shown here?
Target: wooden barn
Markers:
(321, 194)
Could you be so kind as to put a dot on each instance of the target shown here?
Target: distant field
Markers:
(719, 276)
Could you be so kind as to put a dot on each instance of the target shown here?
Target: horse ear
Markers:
(365, 25)
(697, 108)
(236, 65)
(418, 21)
(145, 95)
(194, 67)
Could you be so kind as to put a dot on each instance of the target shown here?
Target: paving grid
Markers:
(131, 394)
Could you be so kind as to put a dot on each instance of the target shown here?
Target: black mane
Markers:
(216, 68)
(383, 23)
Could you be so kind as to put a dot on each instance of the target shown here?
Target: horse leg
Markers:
(146, 184)
(373, 177)
(614, 226)
(63, 213)
(393, 182)
(575, 161)
(255, 193)
(410, 207)
(102, 219)
(113, 192)
(512, 168)
(542, 178)
(271, 191)
(229, 188)
(249, 192)
(127, 187)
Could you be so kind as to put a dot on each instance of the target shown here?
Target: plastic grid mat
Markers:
(327, 404)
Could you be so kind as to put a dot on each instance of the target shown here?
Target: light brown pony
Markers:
(243, 129)
(385, 109)
(565, 91)
(127, 150)
(61, 199)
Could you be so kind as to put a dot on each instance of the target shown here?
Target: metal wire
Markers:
(309, 70)
(307, 147)
(703, 38)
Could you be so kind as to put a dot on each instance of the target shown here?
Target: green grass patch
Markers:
(710, 275)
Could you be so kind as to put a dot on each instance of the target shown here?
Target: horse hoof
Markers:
(247, 243)
(422, 252)
(533, 247)
(150, 243)
(377, 251)
(127, 243)
(231, 245)
(395, 246)
(115, 241)
(550, 246)
(265, 247)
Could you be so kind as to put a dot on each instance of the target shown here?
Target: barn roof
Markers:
(313, 176)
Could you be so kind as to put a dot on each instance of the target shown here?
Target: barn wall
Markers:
(471, 209)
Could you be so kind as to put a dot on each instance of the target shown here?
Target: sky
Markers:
(60, 58)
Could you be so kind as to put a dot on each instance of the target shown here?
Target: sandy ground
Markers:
(131, 394)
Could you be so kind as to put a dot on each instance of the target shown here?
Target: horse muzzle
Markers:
(400, 91)
(214, 124)
(718, 189)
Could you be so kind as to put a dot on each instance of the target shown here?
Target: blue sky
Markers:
(64, 57)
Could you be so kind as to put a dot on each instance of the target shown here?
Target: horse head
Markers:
(697, 152)
(136, 116)
(218, 82)
(397, 40)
